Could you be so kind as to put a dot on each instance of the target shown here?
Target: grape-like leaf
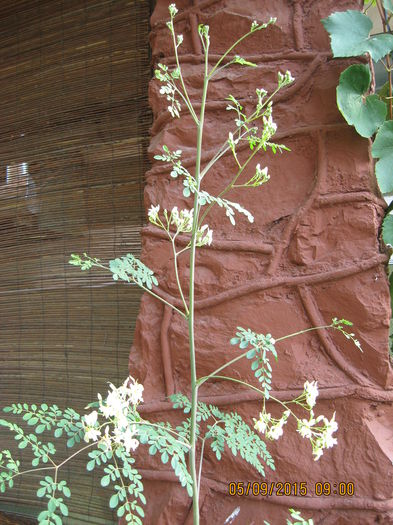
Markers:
(387, 229)
(382, 149)
(366, 113)
(350, 36)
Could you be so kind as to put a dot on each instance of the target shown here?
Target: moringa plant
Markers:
(114, 428)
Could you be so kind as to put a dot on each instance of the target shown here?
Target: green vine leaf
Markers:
(388, 4)
(383, 94)
(382, 149)
(350, 36)
(366, 113)
(387, 229)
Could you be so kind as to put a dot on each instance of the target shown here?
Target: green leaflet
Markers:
(382, 149)
(350, 36)
(367, 114)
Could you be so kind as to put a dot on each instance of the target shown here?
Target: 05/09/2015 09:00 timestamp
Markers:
(293, 488)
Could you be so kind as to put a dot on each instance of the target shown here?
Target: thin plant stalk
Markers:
(191, 315)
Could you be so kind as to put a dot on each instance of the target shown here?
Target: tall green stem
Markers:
(191, 318)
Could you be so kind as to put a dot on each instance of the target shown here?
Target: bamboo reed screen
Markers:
(74, 125)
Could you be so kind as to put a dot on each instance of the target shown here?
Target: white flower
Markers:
(331, 427)
(182, 219)
(135, 391)
(317, 452)
(173, 10)
(204, 236)
(329, 441)
(269, 127)
(130, 443)
(260, 426)
(284, 80)
(126, 437)
(304, 428)
(311, 393)
(114, 405)
(262, 423)
(275, 432)
(90, 419)
(89, 422)
(91, 434)
(153, 213)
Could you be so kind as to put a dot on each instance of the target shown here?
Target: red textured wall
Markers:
(312, 253)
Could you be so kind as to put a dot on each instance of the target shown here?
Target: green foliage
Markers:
(57, 508)
(85, 263)
(366, 113)
(228, 429)
(47, 418)
(42, 451)
(131, 269)
(101, 455)
(261, 345)
(350, 36)
(382, 149)
(163, 441)
(127, 486)
(9, 468)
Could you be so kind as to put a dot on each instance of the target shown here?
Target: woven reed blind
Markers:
(73, 136)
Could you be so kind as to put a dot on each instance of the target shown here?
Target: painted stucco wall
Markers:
(312, 253)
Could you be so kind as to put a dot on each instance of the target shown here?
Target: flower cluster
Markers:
(311, 393)
(285, 79)
(269, 127)
(261, 176)
(182, 220)
(321, 436)
(116, 409)
(272, 428)
(204, 236)
(319, 430)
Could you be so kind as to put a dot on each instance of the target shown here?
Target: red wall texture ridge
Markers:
(312, 253)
